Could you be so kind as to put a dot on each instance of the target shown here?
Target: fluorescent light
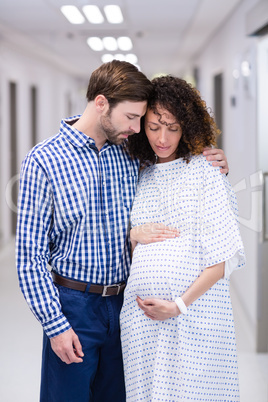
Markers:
(72, 14)
(124, 43)
(113, 14)
(236, 73)
(93, 14)
(95, 43)
(131, 58)
(119, 56)
(105, 58)
(110, 43)
(245, 68)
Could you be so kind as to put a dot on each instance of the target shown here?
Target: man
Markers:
(76, 191)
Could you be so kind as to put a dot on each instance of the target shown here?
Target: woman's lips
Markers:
(162, 148)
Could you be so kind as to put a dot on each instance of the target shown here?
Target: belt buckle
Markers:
(106, 287)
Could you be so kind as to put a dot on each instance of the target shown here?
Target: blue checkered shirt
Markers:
(73, 215)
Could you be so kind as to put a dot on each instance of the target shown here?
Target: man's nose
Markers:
(135, 126)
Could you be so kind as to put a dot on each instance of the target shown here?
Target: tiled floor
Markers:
(21, 339)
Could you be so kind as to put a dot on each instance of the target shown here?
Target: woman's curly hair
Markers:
(179, 98)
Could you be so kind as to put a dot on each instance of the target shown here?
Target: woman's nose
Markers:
(162, 137)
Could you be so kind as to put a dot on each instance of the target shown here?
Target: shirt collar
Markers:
(78, 138)
(74, 136)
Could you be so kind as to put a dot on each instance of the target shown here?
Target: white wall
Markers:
(54, 86)
(225, 52)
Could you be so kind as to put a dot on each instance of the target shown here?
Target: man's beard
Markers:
(110, 132)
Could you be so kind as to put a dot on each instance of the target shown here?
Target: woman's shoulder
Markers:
(203, 170)
(200, 162)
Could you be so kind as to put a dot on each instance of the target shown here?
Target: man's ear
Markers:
(101, 103)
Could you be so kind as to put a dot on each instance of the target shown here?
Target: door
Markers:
(262, 116)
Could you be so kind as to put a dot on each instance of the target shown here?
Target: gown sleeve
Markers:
(220, 235)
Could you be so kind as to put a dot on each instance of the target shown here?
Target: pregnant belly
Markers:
(163, 269)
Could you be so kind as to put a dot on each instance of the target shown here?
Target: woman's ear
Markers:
(101, 103)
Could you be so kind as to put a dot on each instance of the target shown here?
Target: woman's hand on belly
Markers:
(152, 232)
(158, 309)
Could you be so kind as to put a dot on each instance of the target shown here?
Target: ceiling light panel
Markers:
(119, 57)
(113, 14)
(124, 43)
(93, 14)
(105, 58)
(72, 14)
(95, 43)
(131, 58)
(110, 43)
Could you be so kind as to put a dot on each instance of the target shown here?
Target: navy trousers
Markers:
(100, 378)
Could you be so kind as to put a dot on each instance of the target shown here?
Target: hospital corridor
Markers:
(48, 51)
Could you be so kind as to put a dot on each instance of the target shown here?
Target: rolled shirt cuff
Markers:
(56, 326)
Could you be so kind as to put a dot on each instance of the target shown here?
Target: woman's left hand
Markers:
(218, 158)
(158, 309)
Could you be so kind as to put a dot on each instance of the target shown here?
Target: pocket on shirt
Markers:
(128, 188)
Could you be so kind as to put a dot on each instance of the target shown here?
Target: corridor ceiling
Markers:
(166, 34)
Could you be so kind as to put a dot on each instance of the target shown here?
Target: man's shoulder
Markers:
(42, 151)
(42, 144)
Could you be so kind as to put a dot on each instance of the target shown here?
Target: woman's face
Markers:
(163, 133)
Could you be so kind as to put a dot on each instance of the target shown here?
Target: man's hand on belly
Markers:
(158, 309)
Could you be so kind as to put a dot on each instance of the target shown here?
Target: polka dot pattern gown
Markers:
(190, 357)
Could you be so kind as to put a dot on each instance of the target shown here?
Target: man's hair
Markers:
(119, 81)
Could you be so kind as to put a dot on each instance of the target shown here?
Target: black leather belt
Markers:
(104, 290)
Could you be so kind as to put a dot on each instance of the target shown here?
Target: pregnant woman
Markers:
(177, 328)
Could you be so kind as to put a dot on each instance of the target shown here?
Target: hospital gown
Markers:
(190, 357)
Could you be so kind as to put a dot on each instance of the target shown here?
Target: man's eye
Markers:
(130, 117)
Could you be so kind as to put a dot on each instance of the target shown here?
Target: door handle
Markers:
(265, 206)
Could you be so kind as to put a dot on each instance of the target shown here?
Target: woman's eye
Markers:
(153, 128)
(174, 128)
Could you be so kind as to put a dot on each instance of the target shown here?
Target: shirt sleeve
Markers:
(221, 239)
(35, 218)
